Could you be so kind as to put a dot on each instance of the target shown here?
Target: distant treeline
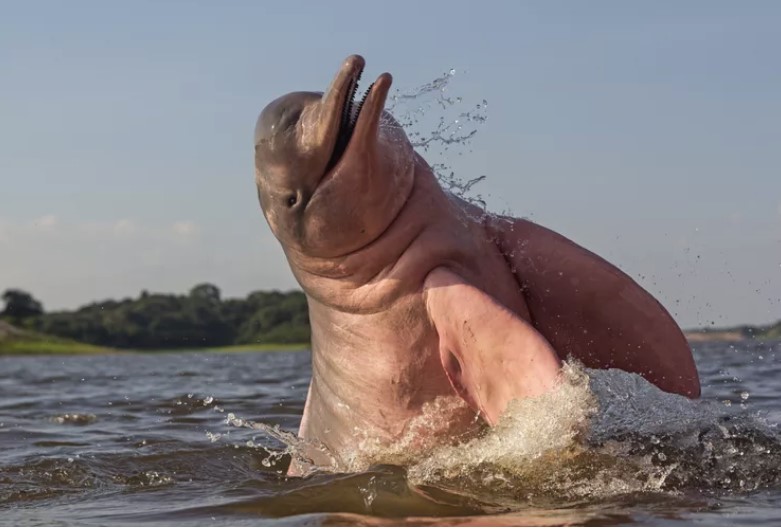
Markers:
(162, 321)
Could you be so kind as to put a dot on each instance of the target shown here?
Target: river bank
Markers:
(16, 341)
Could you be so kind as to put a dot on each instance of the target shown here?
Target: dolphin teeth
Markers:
(349, 102)
(347, 121)
(359, 106)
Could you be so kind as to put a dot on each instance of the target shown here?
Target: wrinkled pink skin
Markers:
(415, 294)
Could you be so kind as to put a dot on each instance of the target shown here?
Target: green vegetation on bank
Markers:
(200, 319)
(260, 347)
(15, 341)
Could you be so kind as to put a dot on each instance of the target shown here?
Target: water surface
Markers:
(143, 439)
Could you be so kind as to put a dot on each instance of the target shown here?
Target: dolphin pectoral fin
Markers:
(489, 354)
(600, 315)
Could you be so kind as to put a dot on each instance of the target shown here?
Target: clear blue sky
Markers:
(649, 132)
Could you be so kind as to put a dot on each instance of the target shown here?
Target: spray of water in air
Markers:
(441, 126)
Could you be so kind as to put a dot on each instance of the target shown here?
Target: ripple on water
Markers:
(46, 478)
(75, 419)
(187, 404)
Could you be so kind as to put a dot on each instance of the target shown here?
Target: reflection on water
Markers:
(144, 439)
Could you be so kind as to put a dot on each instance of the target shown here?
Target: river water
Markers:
(188, 438)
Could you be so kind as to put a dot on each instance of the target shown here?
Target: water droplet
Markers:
(744, 395)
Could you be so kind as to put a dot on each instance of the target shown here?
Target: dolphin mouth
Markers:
(351, 109)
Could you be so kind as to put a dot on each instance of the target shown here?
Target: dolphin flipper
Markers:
(490, 355)
(590, 309)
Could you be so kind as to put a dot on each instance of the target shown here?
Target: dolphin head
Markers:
(332, 173)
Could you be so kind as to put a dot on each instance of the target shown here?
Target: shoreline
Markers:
(15, 341)
(716, 336)
(240, 348)
(18, 342)
(59, 348)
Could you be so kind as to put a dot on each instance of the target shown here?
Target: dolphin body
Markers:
(415, 295)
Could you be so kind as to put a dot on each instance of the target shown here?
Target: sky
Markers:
(648, 132)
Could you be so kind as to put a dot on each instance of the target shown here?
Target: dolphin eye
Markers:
(291, 200)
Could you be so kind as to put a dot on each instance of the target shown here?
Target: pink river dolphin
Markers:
(415, 294)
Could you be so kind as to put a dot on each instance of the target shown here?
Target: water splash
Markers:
(299, 450)
(607, 433)
(449, 135)
(530, 430)
(698, 444)
(601, 434)
(444, 421)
